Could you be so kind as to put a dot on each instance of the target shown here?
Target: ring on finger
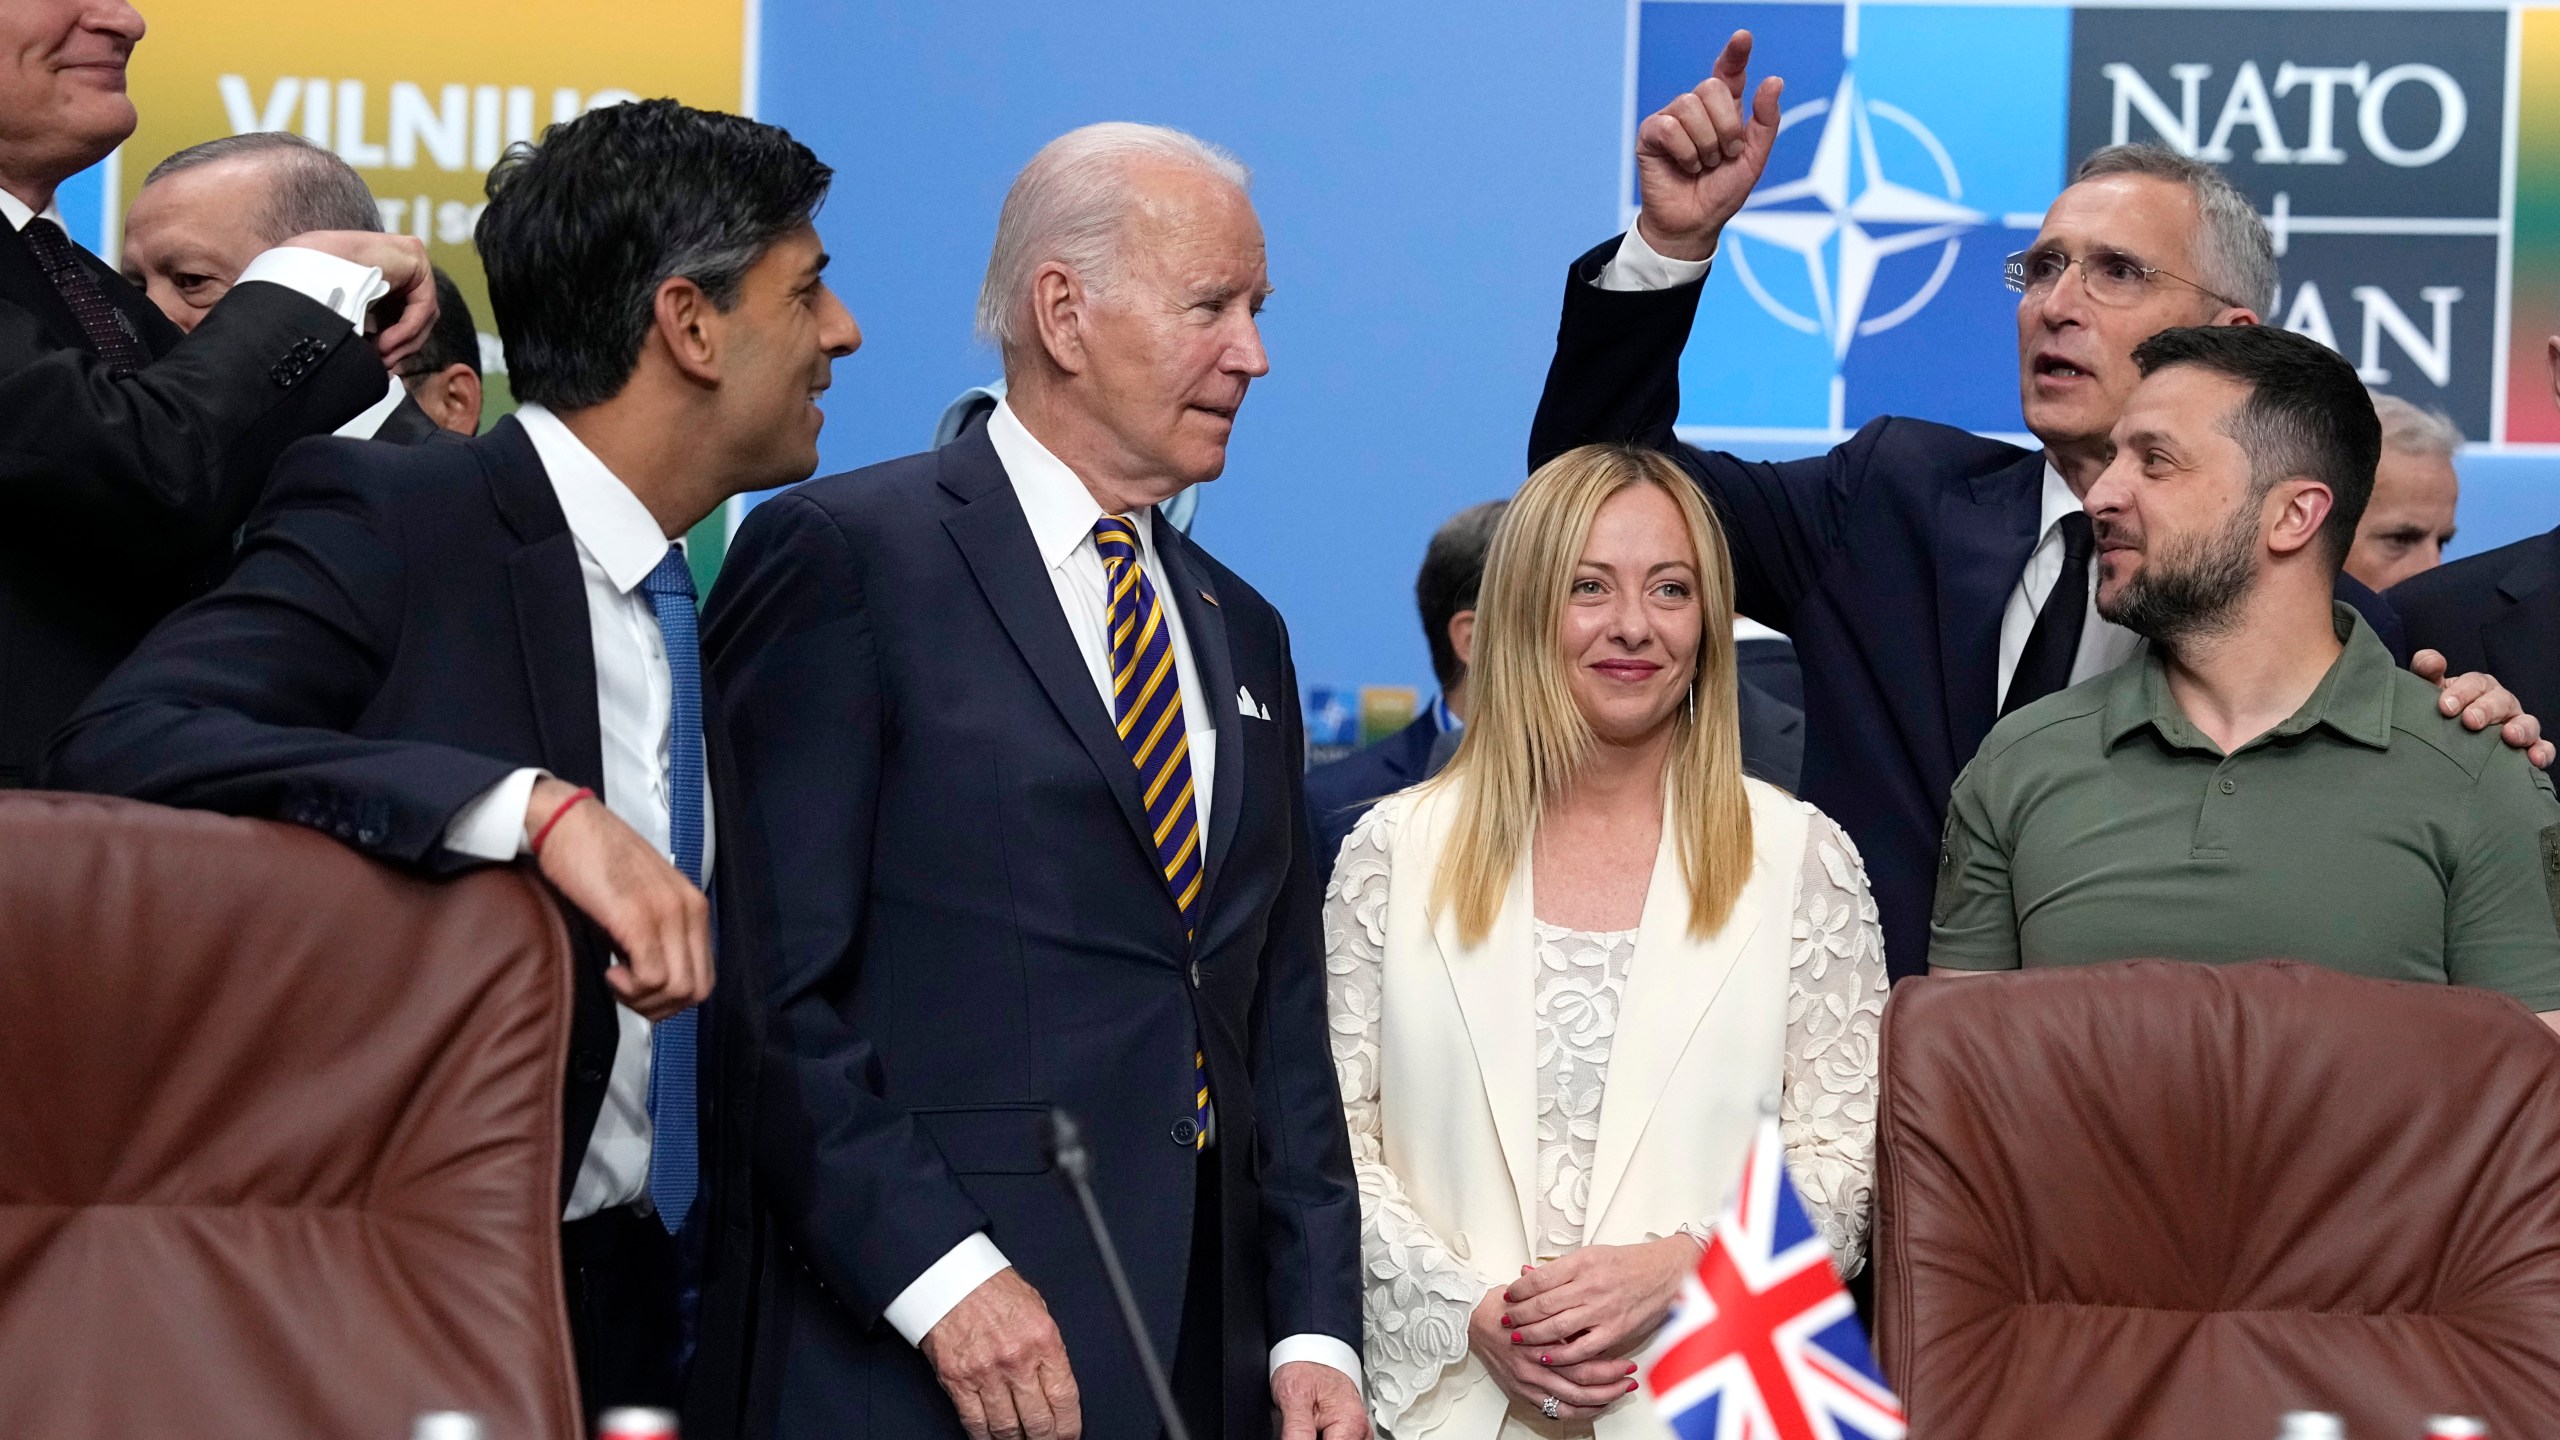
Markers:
(1550, 1408)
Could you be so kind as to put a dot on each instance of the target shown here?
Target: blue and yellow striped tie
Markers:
(1146, 703)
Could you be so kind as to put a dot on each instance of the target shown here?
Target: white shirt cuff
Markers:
(491, 827)
(944, 1284)
(1319, 1350)
(1638, 266)
(342, 285)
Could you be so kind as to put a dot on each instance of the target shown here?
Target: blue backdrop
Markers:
(1424, 173)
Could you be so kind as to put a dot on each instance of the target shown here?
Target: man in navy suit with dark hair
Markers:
(464, 653)
(1027, 763)
(1913, 563)
(1445, 591)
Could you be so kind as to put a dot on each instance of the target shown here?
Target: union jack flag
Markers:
(1763, 1343)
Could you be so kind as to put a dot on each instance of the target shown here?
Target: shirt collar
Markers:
(369, 424)
(602, 512)
(18, 214)
(2353, 699)
(1061, 512)
(2056, 500)
(1443, 719)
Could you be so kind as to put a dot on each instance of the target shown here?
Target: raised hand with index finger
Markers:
(1698, 157)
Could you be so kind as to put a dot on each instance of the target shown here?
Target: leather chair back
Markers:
(279, 1135)
(2165, 1200)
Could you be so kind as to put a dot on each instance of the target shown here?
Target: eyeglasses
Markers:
(2110, 276)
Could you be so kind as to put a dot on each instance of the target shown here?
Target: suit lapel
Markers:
(996, 542)
(1986, 531)
(1496, 986)
(1672, 984)
(549, 589)
(2520, 642)
(1206, 626)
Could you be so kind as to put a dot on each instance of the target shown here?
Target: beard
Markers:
(2193, 587)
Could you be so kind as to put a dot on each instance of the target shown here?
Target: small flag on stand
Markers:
(1764, 1344)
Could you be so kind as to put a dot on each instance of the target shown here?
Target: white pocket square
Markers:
(1245, 704)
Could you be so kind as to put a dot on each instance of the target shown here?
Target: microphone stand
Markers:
(1075, 1169)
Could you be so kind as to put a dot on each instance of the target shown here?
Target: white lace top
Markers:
(1417, 1293)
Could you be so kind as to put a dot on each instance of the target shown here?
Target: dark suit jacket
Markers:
(407, 424)
(1338, 794)
(973, 930)
(2497, 611)
(1888, 561)
(123, 493)
(405, 627)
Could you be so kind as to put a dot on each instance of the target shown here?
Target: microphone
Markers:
(1074, 1164)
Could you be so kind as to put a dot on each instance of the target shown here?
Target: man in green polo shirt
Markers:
(2259, 780)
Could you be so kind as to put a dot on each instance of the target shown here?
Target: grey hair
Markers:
(2235, 252)
(313, 189)
(2415, 430)
(1068, 205)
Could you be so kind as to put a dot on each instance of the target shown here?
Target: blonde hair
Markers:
(1526, 739)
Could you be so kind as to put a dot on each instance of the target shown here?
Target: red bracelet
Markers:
(582, 793)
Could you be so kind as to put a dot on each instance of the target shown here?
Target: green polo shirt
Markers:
(2367, 833)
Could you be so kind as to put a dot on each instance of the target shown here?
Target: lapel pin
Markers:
(1212, 599)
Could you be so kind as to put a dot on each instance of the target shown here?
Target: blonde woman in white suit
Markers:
(1566, 974)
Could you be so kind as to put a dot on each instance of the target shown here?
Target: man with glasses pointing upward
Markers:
(1914, 564)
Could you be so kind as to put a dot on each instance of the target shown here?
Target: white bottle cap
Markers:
(2312, 1425)
(447, 1425)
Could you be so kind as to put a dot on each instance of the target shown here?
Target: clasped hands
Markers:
(1565, 1329)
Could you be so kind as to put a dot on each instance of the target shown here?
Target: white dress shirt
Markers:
(619, 543)
(342, 285)
(1062, 514)
(2104, 645)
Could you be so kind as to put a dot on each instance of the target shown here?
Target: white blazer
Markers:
(1699, 1049)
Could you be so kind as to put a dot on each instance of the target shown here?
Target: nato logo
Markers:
(1917, 146)
(2370, 142)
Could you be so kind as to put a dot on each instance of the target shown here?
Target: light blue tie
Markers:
(675, 1164)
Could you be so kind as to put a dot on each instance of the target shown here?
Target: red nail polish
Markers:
(1506, 1322)
(1631, 1387)
(1515, 1337)
(1543, 1360)
(1631, 1367)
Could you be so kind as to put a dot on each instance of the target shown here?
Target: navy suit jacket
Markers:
(972, 929)
(406, 626)
(1888, 560)
(1338, 794)
(2497, 611)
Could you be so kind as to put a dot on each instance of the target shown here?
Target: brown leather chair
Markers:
(2161, 1200)
(279, 1135)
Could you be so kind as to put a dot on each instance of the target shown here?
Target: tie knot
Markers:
(672, 577)
(1116, 536)
(52, 248)
(2079, 537)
